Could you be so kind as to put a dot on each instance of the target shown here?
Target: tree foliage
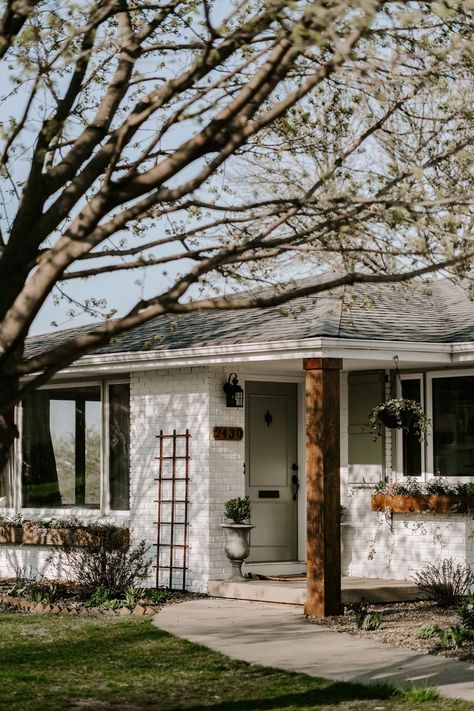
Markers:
(224, 143)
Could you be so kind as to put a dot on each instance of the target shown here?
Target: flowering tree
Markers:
(345, 130)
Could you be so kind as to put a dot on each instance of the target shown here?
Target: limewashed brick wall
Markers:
(188, 398)
(377, 547)
(170, 400)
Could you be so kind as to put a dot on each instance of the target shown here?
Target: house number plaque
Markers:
(231, 434)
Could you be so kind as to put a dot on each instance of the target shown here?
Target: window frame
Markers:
(399, 474)
(430, 376)
(104, 508)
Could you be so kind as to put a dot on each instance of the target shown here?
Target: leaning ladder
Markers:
(172, 510)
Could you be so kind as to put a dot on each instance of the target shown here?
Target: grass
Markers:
(103, 663)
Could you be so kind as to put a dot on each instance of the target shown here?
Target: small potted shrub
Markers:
(399, 413)
(237, 545)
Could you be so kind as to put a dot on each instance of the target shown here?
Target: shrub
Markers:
(96, 555)
(446, 583)
(238, 509)
(465, 610)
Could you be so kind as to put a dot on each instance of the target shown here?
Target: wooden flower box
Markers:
(419, 503)
(11, 534)
(32, 536)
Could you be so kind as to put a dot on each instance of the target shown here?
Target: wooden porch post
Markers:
(323, 487)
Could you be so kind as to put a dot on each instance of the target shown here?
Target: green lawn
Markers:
(126, 664)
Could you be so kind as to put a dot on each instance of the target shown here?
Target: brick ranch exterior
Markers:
(176, 373)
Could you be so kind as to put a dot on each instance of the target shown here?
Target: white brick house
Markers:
(176, 384)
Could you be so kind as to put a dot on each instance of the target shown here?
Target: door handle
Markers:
(296, 483)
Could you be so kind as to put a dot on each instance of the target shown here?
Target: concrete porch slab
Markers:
(293, 592)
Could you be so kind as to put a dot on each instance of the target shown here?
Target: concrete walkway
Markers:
(279, 636)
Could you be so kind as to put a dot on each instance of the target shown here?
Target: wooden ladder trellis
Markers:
(172, 510)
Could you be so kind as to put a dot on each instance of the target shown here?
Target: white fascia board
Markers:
(429, 353)
(463, 352)
(436, 353)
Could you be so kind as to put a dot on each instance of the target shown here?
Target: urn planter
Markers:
(419, 503)
(237, 546)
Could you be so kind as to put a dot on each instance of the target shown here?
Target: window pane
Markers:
(93, 439)
(6, 484)
(61, 447)
(453, 426)
(119, 451)
(411, 390)
(62, 418)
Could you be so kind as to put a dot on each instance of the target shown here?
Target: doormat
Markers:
(259, 576)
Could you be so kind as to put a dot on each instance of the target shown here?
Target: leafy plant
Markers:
(238, 509)
(133, 595)
(446, 582)
(462, 488)
(454, 637)
(450, 638)
(428, 631)
(99, 597)
(399, 408)
(371, 621)
(157, 596)
(43, 592)
(18, 587)
(438, 485)
(465, 610)
(113, 604)
(97, 555)
(7, 521)
(365, 620)
(408, 487)
(419, 694)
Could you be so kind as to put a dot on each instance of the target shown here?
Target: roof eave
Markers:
(321, 347)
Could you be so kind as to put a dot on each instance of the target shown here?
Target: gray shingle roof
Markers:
(441, 313)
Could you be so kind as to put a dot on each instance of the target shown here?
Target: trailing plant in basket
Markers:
(238, 509)
(404, 414)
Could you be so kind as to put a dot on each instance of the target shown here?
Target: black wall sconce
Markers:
(233, 392)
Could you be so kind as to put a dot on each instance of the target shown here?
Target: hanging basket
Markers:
(394, 419)
(399, 413)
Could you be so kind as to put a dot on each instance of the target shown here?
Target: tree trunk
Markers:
(9, 389)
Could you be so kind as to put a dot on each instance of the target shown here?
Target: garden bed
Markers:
(399, 627)
(57, 597)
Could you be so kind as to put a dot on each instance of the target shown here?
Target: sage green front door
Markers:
(271, 469)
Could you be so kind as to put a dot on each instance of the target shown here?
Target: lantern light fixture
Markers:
(233, 392)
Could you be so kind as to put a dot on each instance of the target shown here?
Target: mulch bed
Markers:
(68, 601)
(400, 625)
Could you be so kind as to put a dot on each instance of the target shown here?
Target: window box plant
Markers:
(399, 413)
(436, 496)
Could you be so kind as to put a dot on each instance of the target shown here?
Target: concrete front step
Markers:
(293, 592)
